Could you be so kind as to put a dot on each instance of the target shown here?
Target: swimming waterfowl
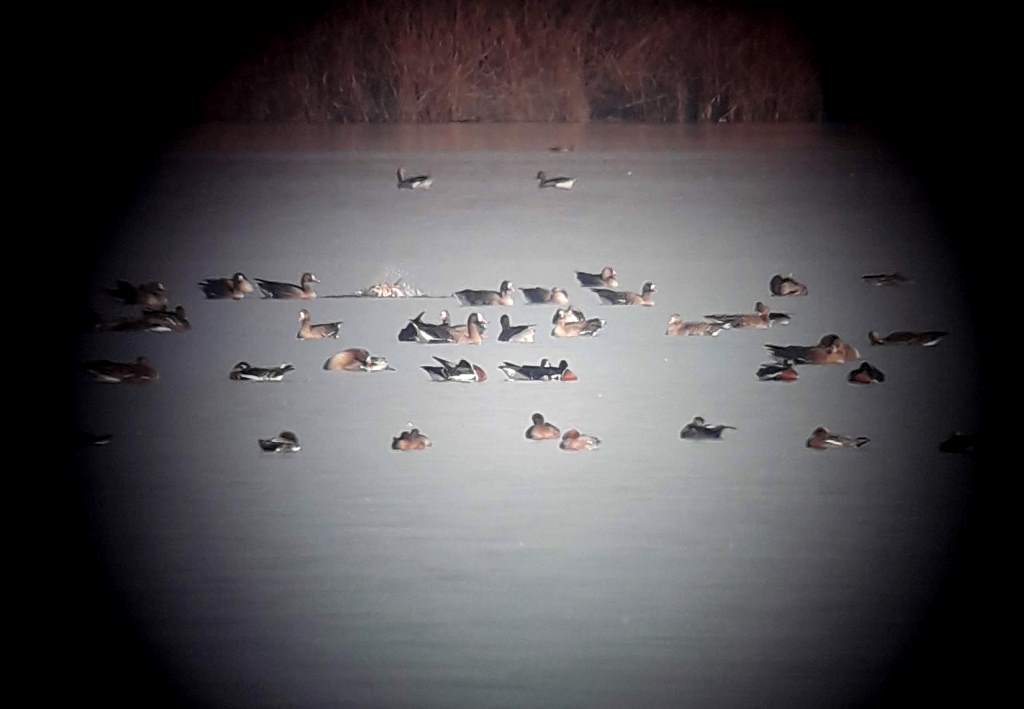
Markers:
(573, 440)
(676, 326)
(502, 296)
(356, 359)
(321, 331)
(542, 430)
(411, 440)
(782, 371)
(606, 278)
(462, 371)
(418, 182)
(150, 295)
(886, 279)
(929, 338)
(562, 183)
(698, 430)
(428, 333)
(959, 443)
(573, 323)
(472, 333)
(759, 319)
(519, 333)
(138, 372)
(866, 374)
(555, 295)
(164, 320)
(284, 442)
(236, 287)
(831, 349)
(543, 372)
(245, 372)
(92, 439)
(561, 148)
(614, 297)
(786, 285)
(277, 289)
(822, 439)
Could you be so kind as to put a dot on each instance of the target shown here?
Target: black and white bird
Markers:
(697, 430)
(562, 183)
(461, 371)
(245, 372)
(416, 182)
(516, 333)
(284, 442)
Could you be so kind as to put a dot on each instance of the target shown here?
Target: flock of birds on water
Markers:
(567, 321)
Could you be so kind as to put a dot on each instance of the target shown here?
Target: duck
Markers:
(928, 338)
(676, 326)
(502, 296)
(462, 371)
(472, 333)
(277, 289)
(573, 440)
(831, 349)
(245, 372)
(164, 320)
(411, 440)
(519, 333)
(760, 319)
(886, 279)
(321, 331)
(786, 285)
(779, 371)
(573, 323)
(613, 297)
(427, 333)
(823, 439)
(418, 182)
(959, 442)
(561, 148)
(538, 295)
(138, 372)
(94, 439)
(356, 359)
(606, 278)
(150, 295)
(562, 183)
(698, 430)
(544, 372)
(284, 442)
(541, 430)
(866, 374)
(236, 287)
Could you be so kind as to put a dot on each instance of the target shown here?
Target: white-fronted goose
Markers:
(607, 278)
(830, 350)
(538, 295)
(356, 359)
(823, 439)
(277, 289)
(502, 296)
(236, 287)
(138, 372)
(615, 297)
(929, 338)
(677, 326)
(320, 331)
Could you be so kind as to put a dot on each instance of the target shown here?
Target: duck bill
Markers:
(569, 376)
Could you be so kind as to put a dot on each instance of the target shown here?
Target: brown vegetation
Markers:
(459, 60)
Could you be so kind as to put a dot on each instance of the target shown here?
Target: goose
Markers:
(572, 323)
(538, 295)
(542, 430)
(697, 430)
(502, 296)
(831, 349)
(538, 373)
(277, 289)
(606, 278)
(614, 297)
(462, 371)
(866, 374)
(138, 372)
(284, 442)
(886, 279)
(573, 440)
(236, 287)
(321, 331)
(676, 326)
(245, 372)
(823, 439)
(786, 285)
(356, 359)
(759, 319)
(562, 183)
(418, 182)
(928, 338)
(781, 371)
(150, 295)
(519, 333)
(411, 440)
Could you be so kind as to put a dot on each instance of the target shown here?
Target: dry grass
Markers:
(460, 60)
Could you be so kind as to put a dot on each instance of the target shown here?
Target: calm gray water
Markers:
(496, 571)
